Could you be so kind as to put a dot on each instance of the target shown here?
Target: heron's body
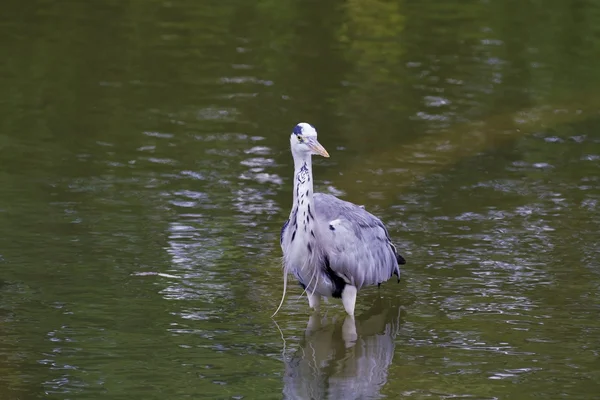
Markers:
(333, 247)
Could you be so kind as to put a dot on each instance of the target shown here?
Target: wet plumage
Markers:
(333, 247)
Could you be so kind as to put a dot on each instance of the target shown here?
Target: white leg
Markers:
(314, 300)
(349, 299)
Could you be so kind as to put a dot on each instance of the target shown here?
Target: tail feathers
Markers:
(400, 259)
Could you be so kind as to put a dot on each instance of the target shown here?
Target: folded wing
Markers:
(355, 242)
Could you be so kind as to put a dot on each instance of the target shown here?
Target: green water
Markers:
(145, 174)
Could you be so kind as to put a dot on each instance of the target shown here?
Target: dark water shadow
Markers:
(342, 358)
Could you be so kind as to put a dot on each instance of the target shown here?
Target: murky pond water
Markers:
(146, 174)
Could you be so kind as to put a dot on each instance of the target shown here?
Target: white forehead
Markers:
(305, 129)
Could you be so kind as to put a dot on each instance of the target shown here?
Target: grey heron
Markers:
(333, 247)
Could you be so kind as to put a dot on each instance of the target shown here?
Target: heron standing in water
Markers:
(333, 247)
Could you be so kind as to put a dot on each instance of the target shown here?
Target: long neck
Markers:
(303, 210)
(303, 185)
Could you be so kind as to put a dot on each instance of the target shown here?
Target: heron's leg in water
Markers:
(314, 323)
(349, 299)
(314, 300)
(349, 331)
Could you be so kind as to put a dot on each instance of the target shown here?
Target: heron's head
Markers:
(304, 141)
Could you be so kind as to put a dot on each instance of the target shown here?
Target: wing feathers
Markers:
(356, 242)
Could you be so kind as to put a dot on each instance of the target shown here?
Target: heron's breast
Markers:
(305, 262)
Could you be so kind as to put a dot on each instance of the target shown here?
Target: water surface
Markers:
(146, 174)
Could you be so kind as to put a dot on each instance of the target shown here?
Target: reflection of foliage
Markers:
(435, 153)
(419, 68)
(460, 76)
(372, 31)
(372, 36)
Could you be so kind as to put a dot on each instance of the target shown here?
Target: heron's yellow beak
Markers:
(315, 146)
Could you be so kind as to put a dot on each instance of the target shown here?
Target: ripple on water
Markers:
(258, 162)
(195, 256)
(227, 137)
(259, 150)
(160, 135)
(254, 201)
(189, 198)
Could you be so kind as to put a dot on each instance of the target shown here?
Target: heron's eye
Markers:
(300, 140)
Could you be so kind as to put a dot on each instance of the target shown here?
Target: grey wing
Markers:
(355, 242)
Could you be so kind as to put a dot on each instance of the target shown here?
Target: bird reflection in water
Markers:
(344, 359)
